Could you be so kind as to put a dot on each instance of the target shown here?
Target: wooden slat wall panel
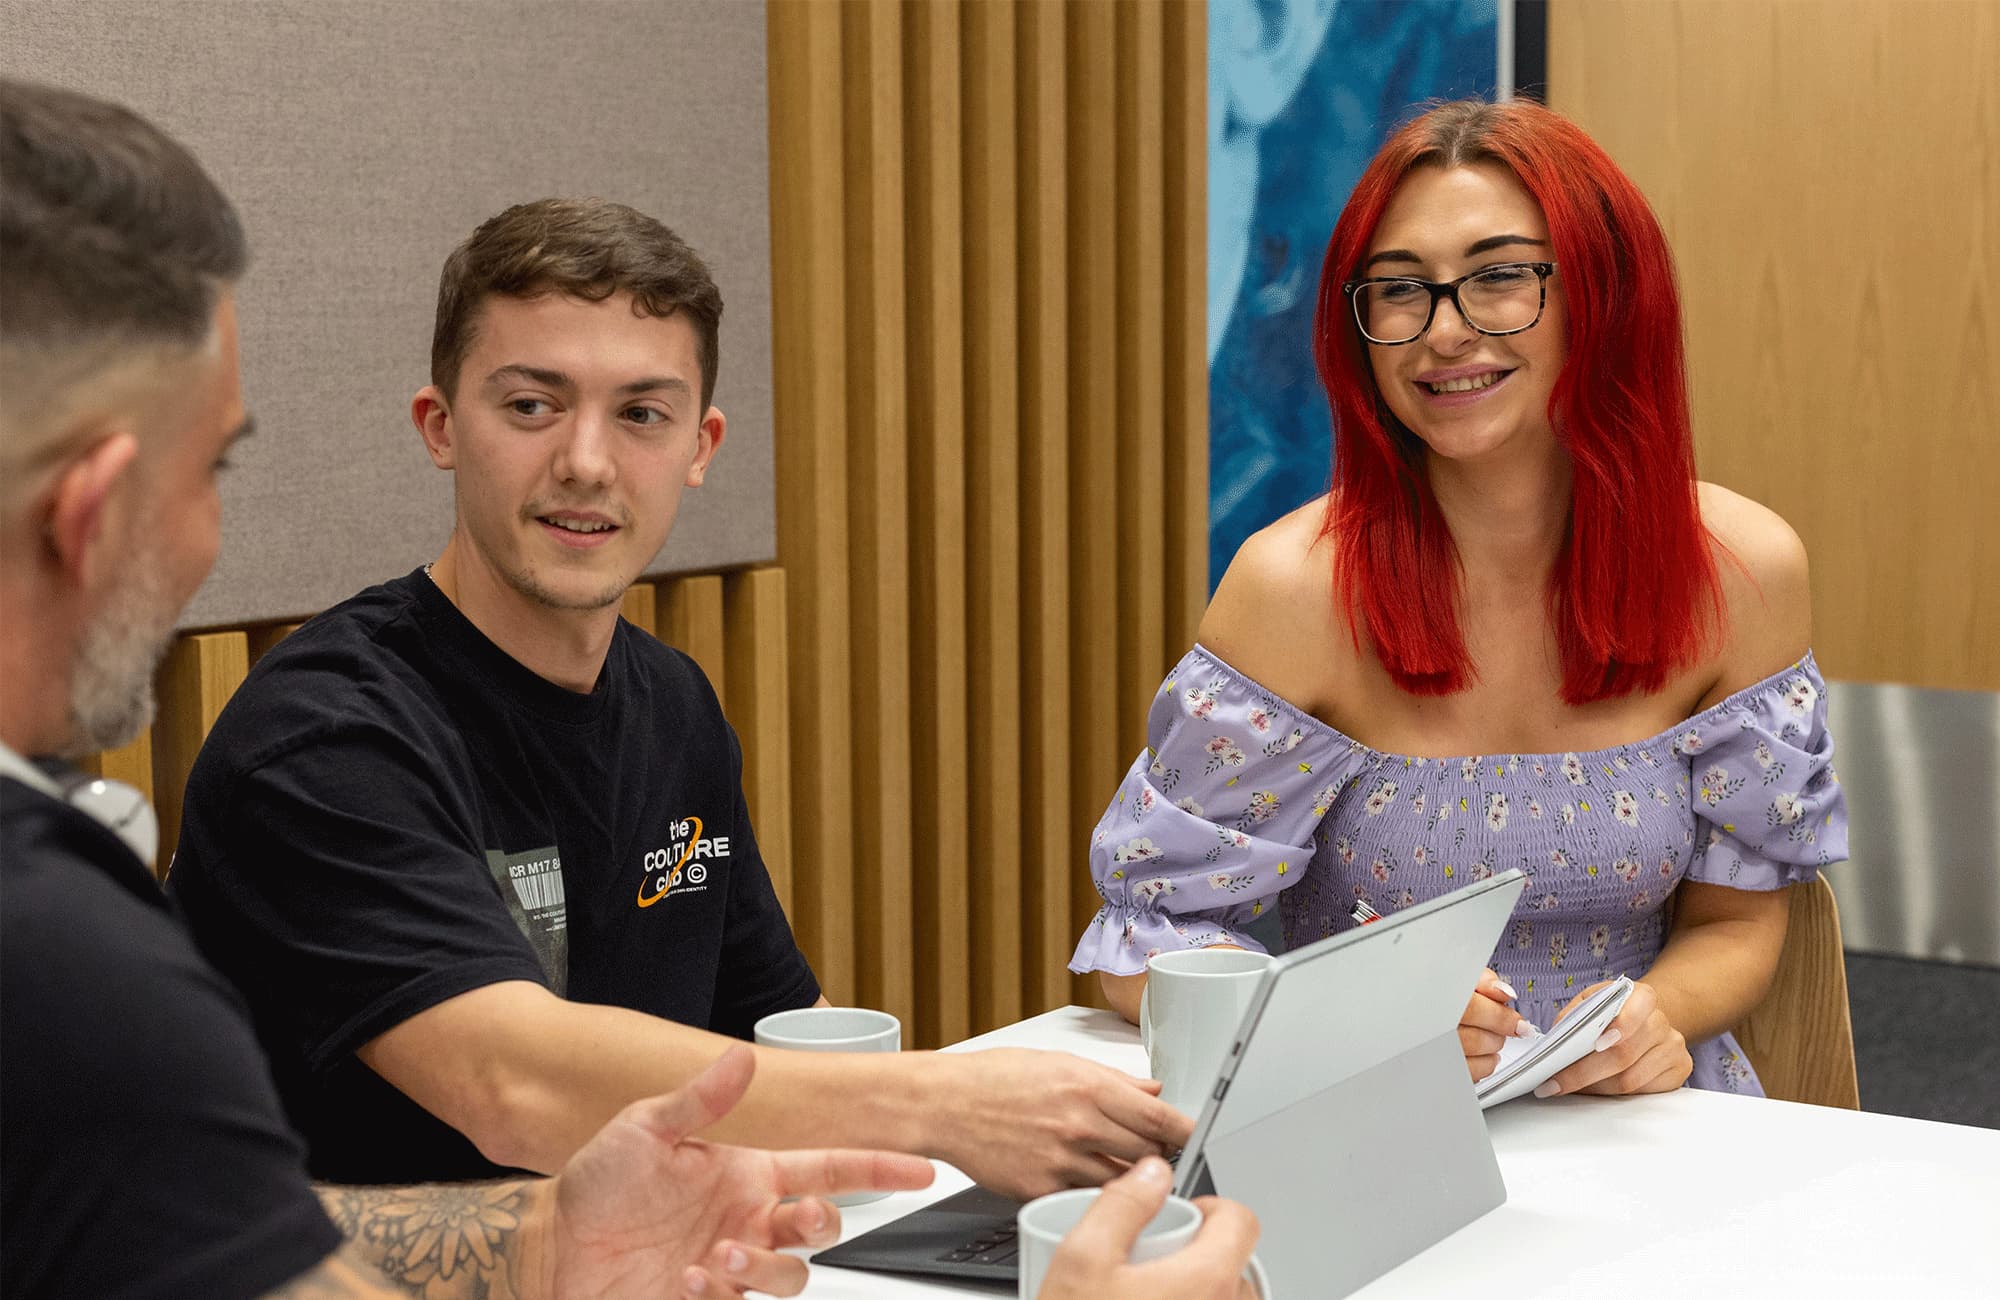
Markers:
(1015, 247)
(994, 572)
(878, 508)
(1046, 796)
(1095, 633)
(754, 635)
(936, 295)
(197, 678)
(1141, 381)
(809, 248)
(689, 619)
(1812, 161)
(641, 607)
(1184, 195)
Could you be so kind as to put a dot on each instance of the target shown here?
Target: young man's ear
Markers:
(82, 500)
(430, 411)
(709, 439)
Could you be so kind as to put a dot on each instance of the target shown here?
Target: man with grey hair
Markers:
(145, 1150)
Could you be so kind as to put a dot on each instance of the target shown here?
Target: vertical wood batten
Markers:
(195, 680)
(689, 618)
(1095, 636)
(755, 643)
(993, 576)
(937, 505)
(1184, 187)
(641, 608)
(262, 640)
(1139, 574)
(1054, 852)
(131, 763)
(878, 450)
(809, 401)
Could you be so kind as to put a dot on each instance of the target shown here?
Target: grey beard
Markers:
(111, 686)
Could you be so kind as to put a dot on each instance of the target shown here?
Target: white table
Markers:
(1687, 1195)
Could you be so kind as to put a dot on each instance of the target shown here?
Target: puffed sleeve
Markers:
(1769, 807)
(1213, 819)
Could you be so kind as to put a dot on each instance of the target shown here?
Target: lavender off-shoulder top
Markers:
(1242, 801)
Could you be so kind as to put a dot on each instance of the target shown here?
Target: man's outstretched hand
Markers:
(645, 1209)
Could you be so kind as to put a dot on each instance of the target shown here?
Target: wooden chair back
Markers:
(1799, 1037)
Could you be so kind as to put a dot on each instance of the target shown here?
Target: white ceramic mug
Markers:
(1189, 1014)
(1044, 1222)
(833, 1029)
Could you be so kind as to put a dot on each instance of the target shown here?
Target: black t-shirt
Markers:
(143, 1148)
(392, 811)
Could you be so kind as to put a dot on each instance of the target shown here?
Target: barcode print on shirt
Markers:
(537, 892)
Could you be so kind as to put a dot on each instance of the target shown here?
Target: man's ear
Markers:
(79, 502)
(709, 441)
(430, 411)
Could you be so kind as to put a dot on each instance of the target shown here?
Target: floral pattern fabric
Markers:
(1242, 802)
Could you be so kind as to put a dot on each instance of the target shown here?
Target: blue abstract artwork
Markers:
(1301, 93)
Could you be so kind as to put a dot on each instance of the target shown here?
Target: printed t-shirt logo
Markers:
(681, 867)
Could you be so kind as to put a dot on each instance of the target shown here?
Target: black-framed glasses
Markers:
(1392, 310)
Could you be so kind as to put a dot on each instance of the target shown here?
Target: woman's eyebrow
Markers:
(1474, 249)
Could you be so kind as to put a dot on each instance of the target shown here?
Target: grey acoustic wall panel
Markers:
(362, 139)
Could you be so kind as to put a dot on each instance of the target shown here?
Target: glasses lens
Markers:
(1502, 300)
(1392, 311)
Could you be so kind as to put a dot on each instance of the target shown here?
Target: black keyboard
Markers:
(998, 1247)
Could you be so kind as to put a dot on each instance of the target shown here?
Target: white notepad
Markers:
(1525, 1064)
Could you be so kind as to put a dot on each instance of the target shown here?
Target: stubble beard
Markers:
(111, 686)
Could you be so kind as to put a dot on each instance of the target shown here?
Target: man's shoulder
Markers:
(86, 939)
(359, 664)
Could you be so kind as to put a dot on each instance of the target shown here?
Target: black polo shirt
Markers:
(143, 1151)
(392, 811)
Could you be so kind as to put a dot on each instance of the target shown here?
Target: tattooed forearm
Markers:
(443, 1241)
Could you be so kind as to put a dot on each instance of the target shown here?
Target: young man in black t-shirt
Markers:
(475, 850)
(143, 1150)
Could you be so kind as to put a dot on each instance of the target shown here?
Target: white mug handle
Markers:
(1259, 1278)
(1146, 1018)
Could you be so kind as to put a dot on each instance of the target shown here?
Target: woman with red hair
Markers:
(1517, 632)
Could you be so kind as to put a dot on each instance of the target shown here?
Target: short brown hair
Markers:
(583, 248)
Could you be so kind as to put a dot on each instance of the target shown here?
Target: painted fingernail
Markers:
(1548, 1088)
(1526, 1030)
(738, 1261)
(1609, 1038)
(1506, 988)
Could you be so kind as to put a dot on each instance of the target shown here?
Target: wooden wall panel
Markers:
(1184, 195)
(808, 319)
(689, 618)
(754, 613)
(992, 368)
(936, 296)
(1046, 798)
(641, 607)
(1010, 268)
(1093, 435)
(1829, 174)
(197, 678)
(131, 763)
(878, 507)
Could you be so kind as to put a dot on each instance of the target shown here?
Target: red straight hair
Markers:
(1633, 595)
